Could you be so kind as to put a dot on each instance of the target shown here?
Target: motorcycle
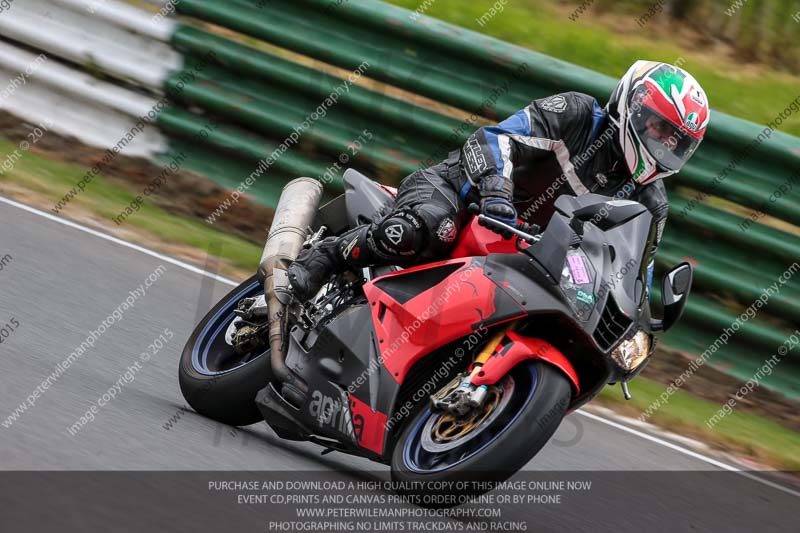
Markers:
(461, 368)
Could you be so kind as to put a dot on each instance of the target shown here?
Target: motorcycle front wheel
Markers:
(437, 450)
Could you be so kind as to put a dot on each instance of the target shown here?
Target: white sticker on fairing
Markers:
(577, 268)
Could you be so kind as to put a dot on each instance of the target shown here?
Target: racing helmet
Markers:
(662, 114)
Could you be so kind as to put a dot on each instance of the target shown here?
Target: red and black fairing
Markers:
(361, 363)
(368, 350)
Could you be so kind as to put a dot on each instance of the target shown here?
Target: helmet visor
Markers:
(668, 144)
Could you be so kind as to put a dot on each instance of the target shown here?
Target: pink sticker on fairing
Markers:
(578, 269)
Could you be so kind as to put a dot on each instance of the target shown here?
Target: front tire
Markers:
(534, 411)
(216, 381)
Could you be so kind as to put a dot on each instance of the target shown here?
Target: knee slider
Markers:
(399, 236)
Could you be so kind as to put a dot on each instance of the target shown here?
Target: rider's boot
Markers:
(315, 265)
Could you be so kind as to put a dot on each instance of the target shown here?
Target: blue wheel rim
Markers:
(414, 456)
(214, 330)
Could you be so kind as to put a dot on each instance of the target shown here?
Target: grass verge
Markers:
(764, 440)
(44, 181)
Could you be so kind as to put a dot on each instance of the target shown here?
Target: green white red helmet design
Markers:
(662, 114)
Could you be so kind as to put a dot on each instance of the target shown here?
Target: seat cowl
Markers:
(365, 198)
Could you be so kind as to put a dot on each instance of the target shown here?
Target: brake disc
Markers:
(444, 431)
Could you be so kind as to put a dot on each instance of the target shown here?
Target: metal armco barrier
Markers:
(259, 95)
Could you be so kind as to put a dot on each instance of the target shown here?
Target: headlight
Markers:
(632, 353)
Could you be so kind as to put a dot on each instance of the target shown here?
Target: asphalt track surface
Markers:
(62, 282)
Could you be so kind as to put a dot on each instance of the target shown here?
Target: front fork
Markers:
(460, 396)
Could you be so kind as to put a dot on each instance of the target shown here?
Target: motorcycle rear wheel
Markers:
(539, 400)
(216, 381)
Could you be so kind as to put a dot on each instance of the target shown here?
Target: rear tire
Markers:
(502, 455)
(224, 394)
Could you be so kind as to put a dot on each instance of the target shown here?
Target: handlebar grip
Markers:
(528, 228)
(474, 208)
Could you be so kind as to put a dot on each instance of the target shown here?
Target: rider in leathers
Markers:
(563, 144)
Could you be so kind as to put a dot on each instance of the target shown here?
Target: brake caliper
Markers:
(250, 327)
(460, 396)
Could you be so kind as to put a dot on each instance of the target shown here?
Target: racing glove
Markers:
(497, 194)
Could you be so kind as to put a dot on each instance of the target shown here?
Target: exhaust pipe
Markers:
(295, 213)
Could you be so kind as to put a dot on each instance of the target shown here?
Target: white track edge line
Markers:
(690, 453)
(116, 240)
(232, 283)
